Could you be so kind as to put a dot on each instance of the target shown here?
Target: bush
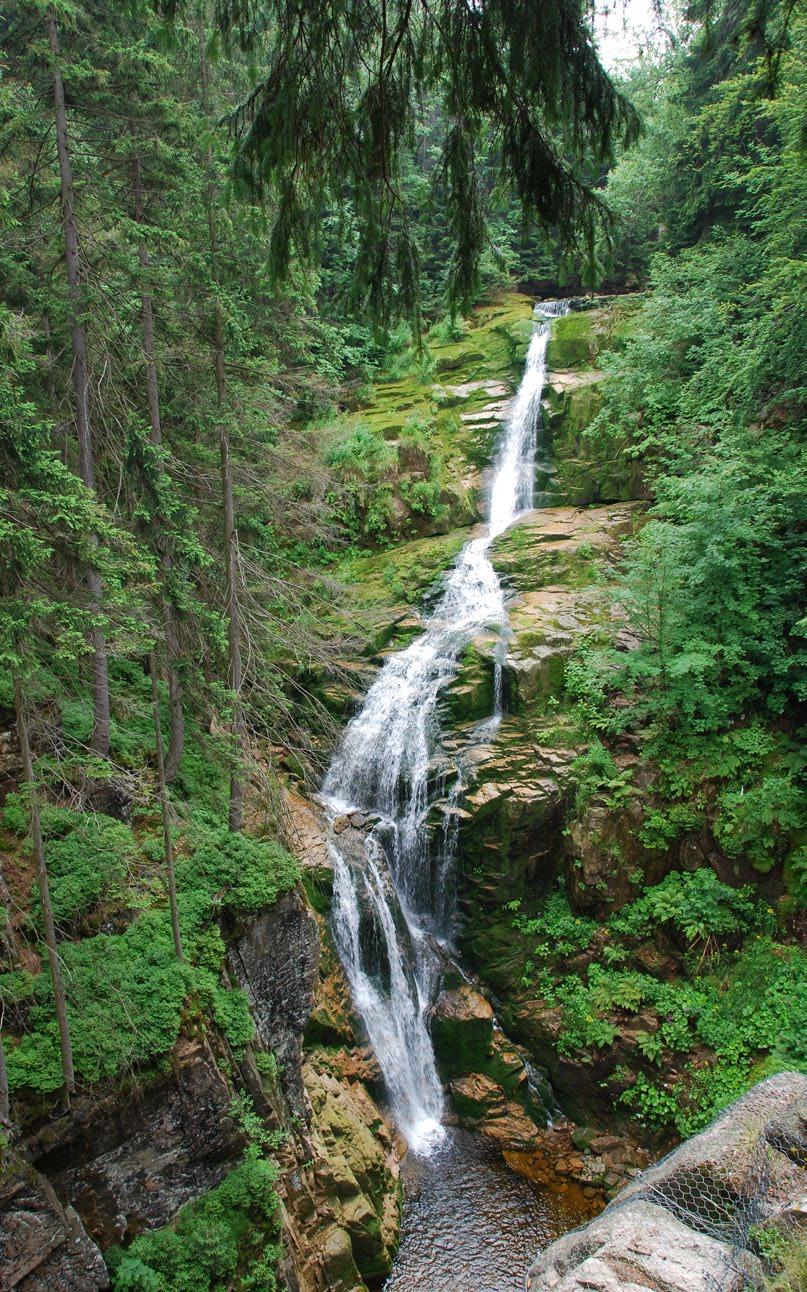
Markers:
(226, 1234)
(88, 856)
(244, 873)
(126, 992)
(363, 464)
(696, 904)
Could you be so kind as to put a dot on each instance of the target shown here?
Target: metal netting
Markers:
(739, 1204)
(732, 1213)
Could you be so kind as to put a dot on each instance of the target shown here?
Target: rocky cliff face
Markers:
(123, 1163)
(693, 1222)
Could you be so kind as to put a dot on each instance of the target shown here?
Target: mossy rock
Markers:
(465, 357)
(572, 344)
(470, 695)
(582, 482)
(462, 1032)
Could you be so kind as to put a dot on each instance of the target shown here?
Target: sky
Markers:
(622, 27)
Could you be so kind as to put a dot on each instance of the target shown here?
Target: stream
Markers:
(468, 1220)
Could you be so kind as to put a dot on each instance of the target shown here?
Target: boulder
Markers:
(356, 1166)
(642, 1248)
(683, 1225)
(462, 1031)
(572, 343)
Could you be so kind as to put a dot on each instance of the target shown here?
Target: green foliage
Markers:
(244, 873)
(89, 855)
(326, 130)
(784, 1249)
(126, 993)
(229, 1233)
(125, 1000)
(597, 775)
(707, 393)
(740, 997)
(696, 904)
(363, 463)
(564, 931)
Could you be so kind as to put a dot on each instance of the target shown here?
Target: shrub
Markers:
(126, 992)
(696, 904)
(88, 855)
(227, 1233)
(245, 873)
(565, 931)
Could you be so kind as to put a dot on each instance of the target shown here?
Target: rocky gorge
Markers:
(545, 863)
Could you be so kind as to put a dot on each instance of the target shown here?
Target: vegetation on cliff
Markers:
(256, 354)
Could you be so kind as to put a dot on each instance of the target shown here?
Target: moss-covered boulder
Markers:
(357, 1173)
(470, 694)
(462, 1031)
(587, 471)
(572, 344)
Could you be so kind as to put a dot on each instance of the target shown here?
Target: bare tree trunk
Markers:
(5, 1099)
(176, 733)
(147, 314)
(236, 815)
(81, 387)
(44, 894)
(164, 808)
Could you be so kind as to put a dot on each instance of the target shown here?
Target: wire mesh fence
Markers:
(743, 1215)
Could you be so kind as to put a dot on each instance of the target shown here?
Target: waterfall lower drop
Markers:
(393, 906)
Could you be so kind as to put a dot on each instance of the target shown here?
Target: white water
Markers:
(393, 904)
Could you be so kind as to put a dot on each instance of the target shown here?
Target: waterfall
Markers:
(393, 904)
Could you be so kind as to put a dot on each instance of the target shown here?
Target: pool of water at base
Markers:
(470, 1224)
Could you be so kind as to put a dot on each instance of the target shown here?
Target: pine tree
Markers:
(80, 374)
(236, 813)
(331, 120)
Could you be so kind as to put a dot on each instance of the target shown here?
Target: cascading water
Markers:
(392, 906)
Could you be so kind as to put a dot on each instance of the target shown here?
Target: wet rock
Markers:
(356, 1162)
(476, 1095)
(470, 694)
(331, 1021)
(129, 1163)
(572, 343)
(275, 960)
(462, 1031)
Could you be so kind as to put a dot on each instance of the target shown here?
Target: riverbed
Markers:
(470, 1224)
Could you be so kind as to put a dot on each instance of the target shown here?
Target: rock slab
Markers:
(670, 1229)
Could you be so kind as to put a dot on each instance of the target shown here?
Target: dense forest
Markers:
(244, 249)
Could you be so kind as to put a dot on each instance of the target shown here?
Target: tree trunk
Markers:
(164, 809)
(236, 675)
(236, 815)
(81, 387)
(176, 733)
(147, 315)
(5, 1100)
(44, 893)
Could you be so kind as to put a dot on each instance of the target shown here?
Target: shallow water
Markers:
(472, 1225)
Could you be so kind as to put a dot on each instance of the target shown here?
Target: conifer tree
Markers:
(81, 381)
(330, 123)
(43, 883)
(236, 812)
